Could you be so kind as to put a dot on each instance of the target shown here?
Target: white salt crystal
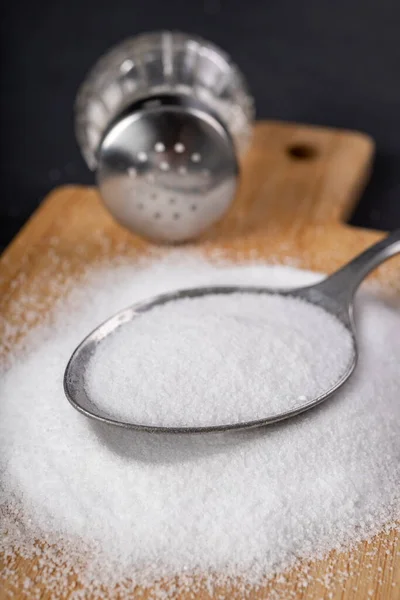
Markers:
(119, 506)
(218, 360)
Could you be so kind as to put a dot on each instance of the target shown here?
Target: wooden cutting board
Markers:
(298, 186)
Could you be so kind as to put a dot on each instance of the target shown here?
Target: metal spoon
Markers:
(334, 294)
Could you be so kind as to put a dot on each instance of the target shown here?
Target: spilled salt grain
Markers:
(218, 360)
(122, 507)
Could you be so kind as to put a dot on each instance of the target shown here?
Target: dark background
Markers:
(331, 62)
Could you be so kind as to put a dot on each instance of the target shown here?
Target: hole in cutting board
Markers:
(301, 151)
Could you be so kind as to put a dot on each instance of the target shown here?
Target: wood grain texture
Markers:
(288, 209)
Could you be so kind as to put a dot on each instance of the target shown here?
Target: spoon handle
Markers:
(342, 285)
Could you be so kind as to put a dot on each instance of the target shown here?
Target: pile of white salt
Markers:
(115, 505)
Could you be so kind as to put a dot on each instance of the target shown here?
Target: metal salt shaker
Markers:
(162, 119)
